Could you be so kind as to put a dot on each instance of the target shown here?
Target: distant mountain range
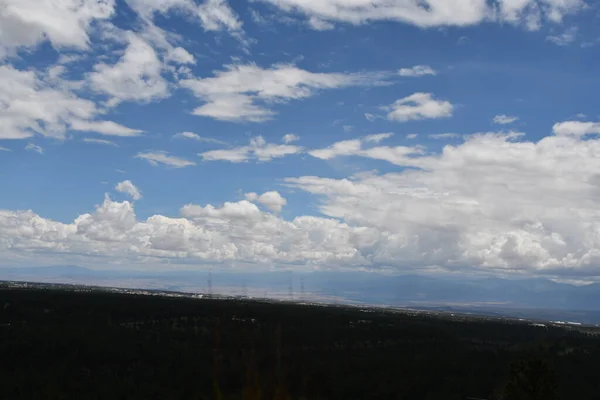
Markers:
(369, 288)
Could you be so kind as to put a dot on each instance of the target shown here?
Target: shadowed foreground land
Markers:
(58, 344)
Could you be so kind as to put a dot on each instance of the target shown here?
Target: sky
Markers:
(430, 136)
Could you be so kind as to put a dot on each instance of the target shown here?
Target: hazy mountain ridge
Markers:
(362, 287)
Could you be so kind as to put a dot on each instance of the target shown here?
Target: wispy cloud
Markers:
(444, 135)
(565, 38)
(100, 141)
(196, 137)
(417, 71)
(503, 119)
(257, 149)
(109, 128)
(244, 93)
(162, 157)
(289, 138)
(34, 147)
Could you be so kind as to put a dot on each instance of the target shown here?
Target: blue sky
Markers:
(461, 136)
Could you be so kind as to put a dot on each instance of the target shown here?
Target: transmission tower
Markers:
(291, 286)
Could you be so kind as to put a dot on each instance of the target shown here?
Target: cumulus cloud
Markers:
(135, 77)
(196, 137)
(37, 103)
(64, 24)
(433, 13)
(162, 157)
(289, 138)
(504, 119)
(231, 232)
(34, 147)
(419, 106)
(417, 70)
(258, 149)
(271, 200)
(495, 203)
(576, 128)
(244, 93)
(129, 188)
(29, 105)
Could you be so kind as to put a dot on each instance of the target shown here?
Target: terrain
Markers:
(79, 342)
(531, 298)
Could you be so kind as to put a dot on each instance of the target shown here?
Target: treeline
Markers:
(98, 345)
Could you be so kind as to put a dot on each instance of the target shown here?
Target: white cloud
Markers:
(135, 77)
(232, 232)
(411, 136)
(244, 93)
(162, 157)
(64, 59)
(319, 24)
(257, 149)
(271, 200)
(180, 55)
(444, 135)
(417, 70)
(565, 38)
(289, 138)
(433, 13)
(109, 128)
(377, 137)
(576, 128)
(4, 149)
(503, 119)
(419, 106)
(233, 108)
(495, 203)
(213, 15)
(29, 105)
(34, 147)
(217, 15)
(196, 137)
(100, 141)
(356, 147)
(234, 155)
(129, 188)
(370, 117)
(64, 24)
